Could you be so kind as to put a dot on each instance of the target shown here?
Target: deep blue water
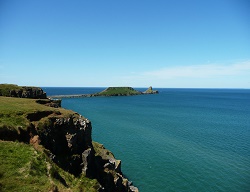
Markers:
(178, 140)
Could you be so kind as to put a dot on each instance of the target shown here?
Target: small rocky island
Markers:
(112, 91)
(44, 147)
(150, 91)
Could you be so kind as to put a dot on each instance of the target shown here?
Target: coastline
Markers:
(108, 92)
(64, 138)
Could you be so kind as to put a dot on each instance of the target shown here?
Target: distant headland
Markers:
(111, 91)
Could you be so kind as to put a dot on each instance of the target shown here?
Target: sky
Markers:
(138, 43)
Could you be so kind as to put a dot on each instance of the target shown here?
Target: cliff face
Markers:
(70, 143)
(65, 137)
(29, 92)
(10, 90)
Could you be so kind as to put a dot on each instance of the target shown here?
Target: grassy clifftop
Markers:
(17, 112)
(26, 167)
(43, 148)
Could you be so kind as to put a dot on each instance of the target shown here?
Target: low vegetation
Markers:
(22, 166)
(25, 169)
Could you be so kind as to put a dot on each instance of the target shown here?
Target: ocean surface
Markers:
(178, 140)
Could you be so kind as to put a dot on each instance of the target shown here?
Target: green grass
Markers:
(14, 111)
(6, 88)
(114, 91)
(24, 169)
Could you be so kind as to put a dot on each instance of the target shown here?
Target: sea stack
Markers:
(150, 91)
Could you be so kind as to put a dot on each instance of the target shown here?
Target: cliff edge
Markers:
(62, 146)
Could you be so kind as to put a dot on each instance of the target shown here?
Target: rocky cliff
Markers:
(10, 90)
(65, 137)
(70, 144)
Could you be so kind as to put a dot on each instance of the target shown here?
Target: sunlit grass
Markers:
(25, 169)
(14, 111)
(22, 168)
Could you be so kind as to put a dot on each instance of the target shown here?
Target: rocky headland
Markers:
(111, 91)
(11, 90)
(62, 138)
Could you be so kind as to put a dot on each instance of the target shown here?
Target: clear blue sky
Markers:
(138, 43)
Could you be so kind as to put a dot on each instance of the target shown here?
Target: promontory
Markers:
(44, 147)
(111, 91)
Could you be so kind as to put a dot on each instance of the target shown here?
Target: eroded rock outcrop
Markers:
(150, 91)
(50, 102)
(28, 92)
(109, 171)
(10, 90)
(67, 138)
(70, 143)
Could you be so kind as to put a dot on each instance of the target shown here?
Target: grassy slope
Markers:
(24, 169)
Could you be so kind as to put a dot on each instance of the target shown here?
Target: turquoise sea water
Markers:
(178, 140)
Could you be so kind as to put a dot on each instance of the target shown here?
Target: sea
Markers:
(178, 140)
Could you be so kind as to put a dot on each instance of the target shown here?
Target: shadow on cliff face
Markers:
(36, 116)
(8, 134)
(67, 139)
(70, 143)
(13, 134)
